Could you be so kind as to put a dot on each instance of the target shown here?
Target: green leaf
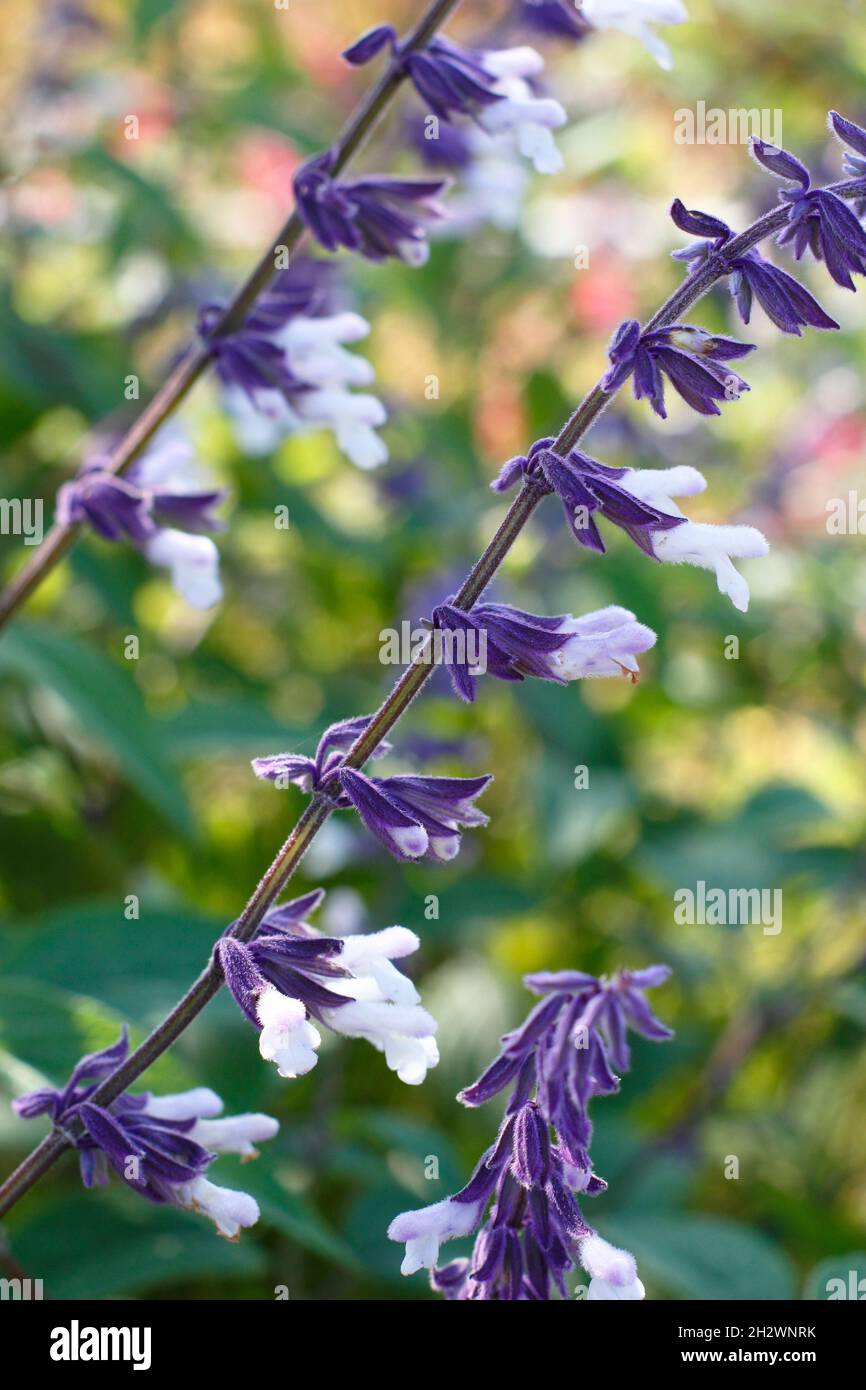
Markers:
(138, 967)
(695, 1257)
(48, 1029)
(107, 704)
(113, 1243)
(204, 725)
(290, 1213)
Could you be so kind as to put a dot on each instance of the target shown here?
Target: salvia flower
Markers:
(312, 774)
(413, 817)
(518, 644)
(416, 817)
(291, 977)
(700, 543)
(491, 87)
(376, 216)
(287, 371)
(522, 115)
(818, 219)
(161, 1146)
(162, 504)
(641, 502)
(691, 358)
(588, 488)
(784, 300)
(449, 78)
(523, 1193)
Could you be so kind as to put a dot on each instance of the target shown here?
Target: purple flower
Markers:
(516, 644)
(452, 80)
(286, 371)
(161, 1146)
(416, 817)
(818, 220)
(290, 974)
(567, 1052)
(162, 505)
(111, 505)
(586, 487)
(641, 502)
(411, 816)
(784, 300)
(492, 87)
(248, 359)
(311, 774)
(690, 357)
(376, 216)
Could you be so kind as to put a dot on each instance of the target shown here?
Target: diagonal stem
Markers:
(693, 288)
(197, 357)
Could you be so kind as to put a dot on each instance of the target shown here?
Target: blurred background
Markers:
(131, 777)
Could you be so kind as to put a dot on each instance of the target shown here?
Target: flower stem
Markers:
(389, 713)
(197, 357)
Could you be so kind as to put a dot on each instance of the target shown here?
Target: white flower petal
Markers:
(193, 563)
(424, 1230)
(229, 1210)
(236, 1134)
(287, 1038)
(198, 1104)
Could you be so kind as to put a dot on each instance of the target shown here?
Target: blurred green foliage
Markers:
(124, 778)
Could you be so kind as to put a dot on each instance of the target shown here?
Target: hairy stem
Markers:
(389, 713)
(197, 357)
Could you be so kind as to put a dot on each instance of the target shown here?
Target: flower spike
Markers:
(534, 1232)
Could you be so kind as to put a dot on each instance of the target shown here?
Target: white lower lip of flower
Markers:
(609, 1265)
(711, 547)
(331, 366)
(199, 1104)
(633, 17)
(530, 120)
(411, 1058)
(423, 1231)
(605, 643)
(393, 984)
(410, 840)
(230, 1211)
(404, 1032)
(601, 1290)
(414, 252)
(371, 955)
(391, 943)
(377, 1020)
(513, 62)
(445, 847)
(303, 334)
(353, 417)
(362, 446)
(659, 486)
(286, 1037)
(193, 563)
(236, 1134)
(374, 979)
